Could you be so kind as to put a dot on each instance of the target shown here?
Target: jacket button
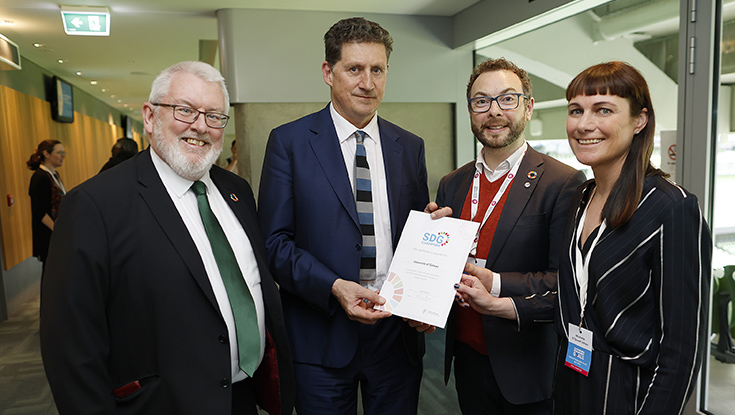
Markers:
(223, 339)
(358, 247)
(224, 382)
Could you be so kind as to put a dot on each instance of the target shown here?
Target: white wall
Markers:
(276, 56)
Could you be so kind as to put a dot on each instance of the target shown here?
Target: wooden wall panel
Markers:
(24, 122)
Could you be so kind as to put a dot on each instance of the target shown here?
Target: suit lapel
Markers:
(393, 162)
(518, 197)
(156, 198)
(325, 144)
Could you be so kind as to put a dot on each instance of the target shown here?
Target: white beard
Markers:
(183, 164)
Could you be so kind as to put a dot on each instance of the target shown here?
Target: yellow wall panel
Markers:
(24, 122)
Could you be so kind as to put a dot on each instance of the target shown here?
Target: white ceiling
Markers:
(147, 36)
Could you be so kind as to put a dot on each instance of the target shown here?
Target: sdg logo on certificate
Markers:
(392, 291)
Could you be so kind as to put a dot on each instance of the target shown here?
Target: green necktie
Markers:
(241, 301)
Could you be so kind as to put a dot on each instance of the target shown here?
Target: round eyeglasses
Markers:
(479, 105)
(189, 115)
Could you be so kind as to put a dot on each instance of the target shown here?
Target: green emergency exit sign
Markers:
(86, 21)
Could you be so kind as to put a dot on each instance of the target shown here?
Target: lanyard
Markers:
(55, 178)
(476, 198)
(582, 265)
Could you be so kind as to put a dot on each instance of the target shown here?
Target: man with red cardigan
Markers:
(504, 363)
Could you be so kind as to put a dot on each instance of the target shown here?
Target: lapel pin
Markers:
(532, 174)
(527, 185)
(233, 197)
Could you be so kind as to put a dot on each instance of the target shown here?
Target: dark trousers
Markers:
(243, 398)
(478, 390)
(380, 370)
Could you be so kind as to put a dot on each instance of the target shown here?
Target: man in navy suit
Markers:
(309, 217)
(504, 361)
(136, 312)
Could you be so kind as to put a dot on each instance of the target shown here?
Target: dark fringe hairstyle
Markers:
(621, 79)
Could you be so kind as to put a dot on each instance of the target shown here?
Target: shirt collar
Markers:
(176, 184)
(46, 169)
(345, 129)
(503, 167)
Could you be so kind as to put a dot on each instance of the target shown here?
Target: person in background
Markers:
(336, 190)
(123, 149)
(157, 297)
(232, 161)
(46, 190)
(504, 356)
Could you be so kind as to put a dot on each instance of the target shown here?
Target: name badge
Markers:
(579, 351)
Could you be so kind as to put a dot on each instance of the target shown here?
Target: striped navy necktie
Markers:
(364, 200)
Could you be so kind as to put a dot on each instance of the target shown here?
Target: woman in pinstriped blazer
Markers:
(640, 246)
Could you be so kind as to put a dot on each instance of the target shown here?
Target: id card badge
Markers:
(579, 351)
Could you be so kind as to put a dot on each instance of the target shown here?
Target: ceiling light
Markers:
(60, 61)
(119, 101)
(79, 73)
(39, 45)
(94, 83)
(104, 89)
(6, 22)
(112, 96)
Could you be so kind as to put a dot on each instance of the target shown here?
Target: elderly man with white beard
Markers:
(157, 297)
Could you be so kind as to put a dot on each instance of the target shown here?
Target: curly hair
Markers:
(500, 64)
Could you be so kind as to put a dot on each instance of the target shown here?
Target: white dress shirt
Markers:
(381, 212)
(179, 189)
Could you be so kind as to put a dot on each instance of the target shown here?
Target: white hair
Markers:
(204, 71)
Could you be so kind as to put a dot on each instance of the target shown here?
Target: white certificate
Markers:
(428, 262)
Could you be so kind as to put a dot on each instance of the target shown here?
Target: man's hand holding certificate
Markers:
(429, 260)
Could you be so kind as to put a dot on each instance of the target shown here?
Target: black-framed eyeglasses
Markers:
(189, 115)
(511, 101)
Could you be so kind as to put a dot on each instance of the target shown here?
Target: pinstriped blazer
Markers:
(647, 304)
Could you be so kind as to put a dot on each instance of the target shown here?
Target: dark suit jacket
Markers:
(525, 251)
(309, 218)
(647, 306)
(126, 297)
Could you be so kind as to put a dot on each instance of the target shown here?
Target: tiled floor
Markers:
(23, 386)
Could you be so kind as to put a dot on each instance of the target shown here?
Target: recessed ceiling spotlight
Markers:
(112, 96)
(125, 105)
(39, 45)
(104, 89)
(119, 101)
(79, 73)
(94, 83)
(60, 61)
(6, 22)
